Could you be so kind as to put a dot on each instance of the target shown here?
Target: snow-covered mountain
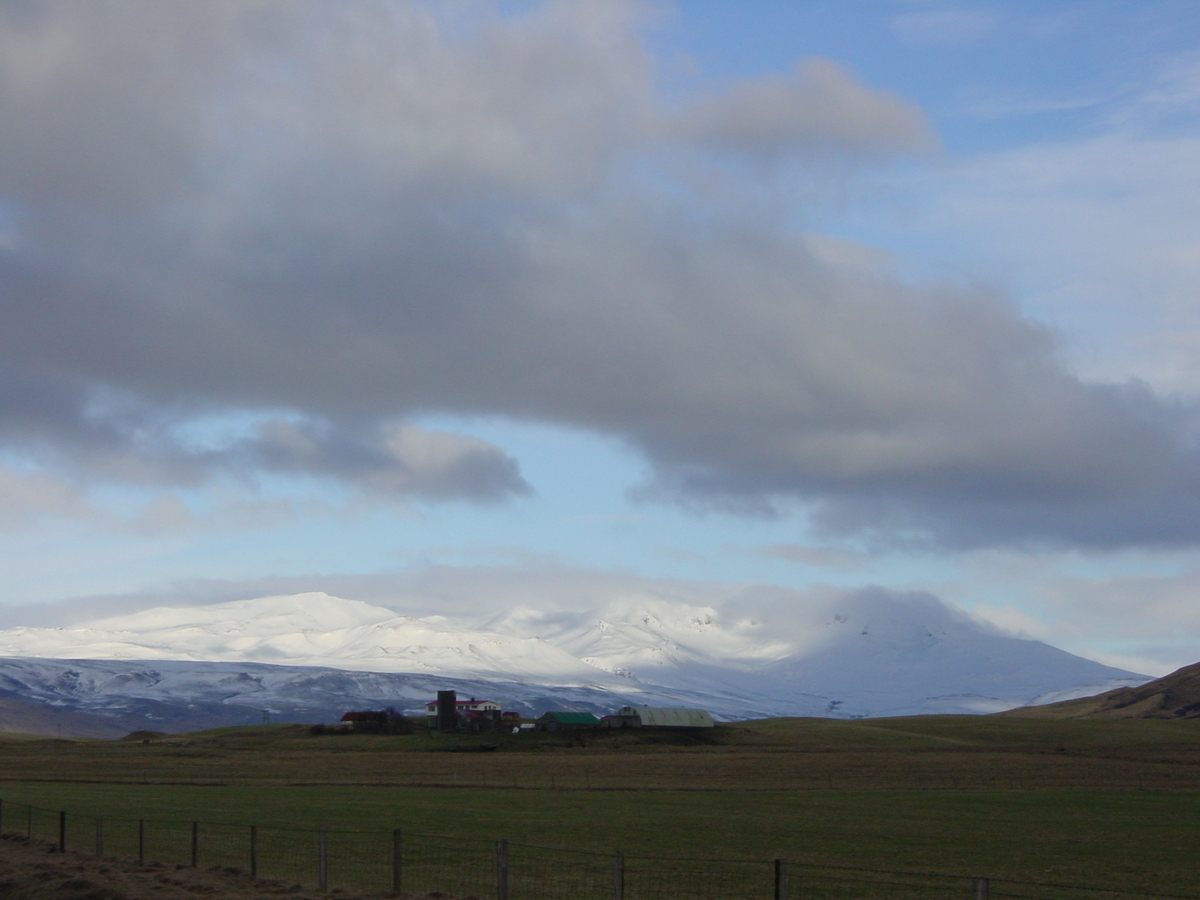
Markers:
(302, 630)
(308, 657)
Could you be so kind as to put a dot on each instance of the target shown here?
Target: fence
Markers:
(500, 870)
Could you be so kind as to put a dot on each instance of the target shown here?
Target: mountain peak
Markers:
(874, 654)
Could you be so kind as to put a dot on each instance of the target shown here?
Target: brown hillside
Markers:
(1174, 696)
(30, 717)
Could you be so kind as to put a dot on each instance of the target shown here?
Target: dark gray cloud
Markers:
(816, 109)
(350, 214)
(397, 458)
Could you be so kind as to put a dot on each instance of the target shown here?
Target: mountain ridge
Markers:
(313, 655)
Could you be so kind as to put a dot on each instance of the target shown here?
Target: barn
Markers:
(567, 721)
(659, 717)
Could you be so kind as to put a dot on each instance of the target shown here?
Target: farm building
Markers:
(452, 714)
(371, 717)
(377, 721)
(567, 721)
(659, 717)
(465, 706)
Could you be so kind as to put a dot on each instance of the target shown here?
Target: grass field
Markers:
(1078, 802)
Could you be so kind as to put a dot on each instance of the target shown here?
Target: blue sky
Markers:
(383, 298)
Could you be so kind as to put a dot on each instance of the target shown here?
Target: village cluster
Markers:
(449, 713)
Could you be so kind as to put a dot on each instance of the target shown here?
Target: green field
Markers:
(1147, 838)
(1075, 802)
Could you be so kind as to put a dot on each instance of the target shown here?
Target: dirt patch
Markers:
(38, 871)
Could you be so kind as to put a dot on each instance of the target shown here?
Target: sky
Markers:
(465, 305)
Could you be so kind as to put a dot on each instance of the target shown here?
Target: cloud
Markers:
(344, 216)
(486, 596)
(1097, 232)
(163, 513)
(116, 439)
(1173, 97)
(471, 595)
(817, 109)
(1165, 604)
(817, 556)
(26, 497)
(1012, 621)
(1151, 619)
(1088, 616)
(399, 458)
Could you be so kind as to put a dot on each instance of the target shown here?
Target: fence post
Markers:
(979, 889)
(253, 851)
(1, 814)
(62, 831)
(781, 879)
(99, 836)
(195, 844)
(618, 876)
(29, 821)
(397, 860)
(141, 842)
(322, 872)
(501, 870)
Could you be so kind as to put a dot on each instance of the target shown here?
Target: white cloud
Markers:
(27, 497)
(164, 513)
(1119, 609)
(434, 463)
(1096, 235)
(1012, 620)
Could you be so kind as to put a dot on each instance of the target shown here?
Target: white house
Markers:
(465, 707)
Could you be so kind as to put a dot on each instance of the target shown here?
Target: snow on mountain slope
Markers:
(689, 650)
(884, 656)
(644, 637)
(874, 653)
(871, 653)
(186, 696)
(311, 629)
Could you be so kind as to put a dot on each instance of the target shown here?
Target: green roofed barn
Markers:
(567, 721)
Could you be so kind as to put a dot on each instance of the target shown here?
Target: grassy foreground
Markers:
(1078, 802)
(1143, 839)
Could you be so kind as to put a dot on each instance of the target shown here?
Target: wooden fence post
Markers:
(979, 889)
(618, 876)
(397, 860)
(195, 844)
(141, 842)
(501, 870)
(29, 822)
(322, 871)
(781, 879)
(62, 831)
(99, 836)
(253, 851)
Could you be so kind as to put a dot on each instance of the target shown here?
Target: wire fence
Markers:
(421, 864)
